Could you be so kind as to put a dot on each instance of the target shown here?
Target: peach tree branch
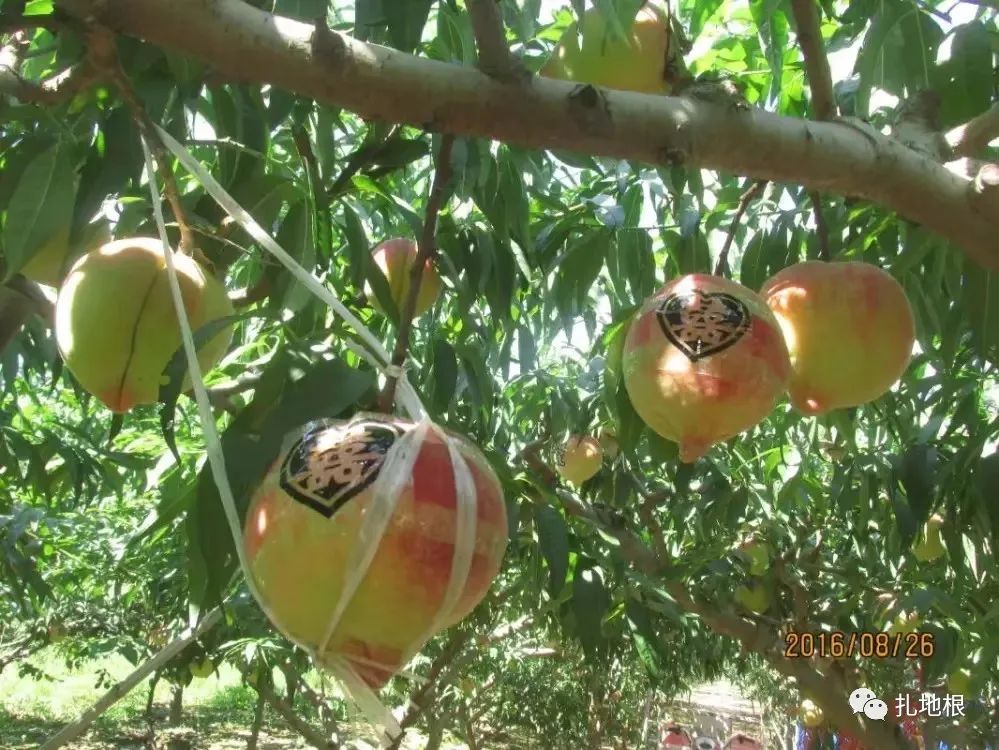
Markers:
(384, 84)
(809, 29)
(427, 251)
(973, 136)
(490, 39)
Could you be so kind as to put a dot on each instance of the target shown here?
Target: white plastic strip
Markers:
(408, 397)
(386, 725)
(213, 445)
(394, 475)
(466, 518)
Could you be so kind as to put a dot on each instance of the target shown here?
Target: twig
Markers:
(531, 454)
(16, 307)
(243, 384)
(646, 512)
(74, 729)
(224, 142)
(423, 696)
(821, 227)
(323, 234)
(495, 59)
(321, 703)
(42, 304)
(808, 24)
(308, 732)
(55, 90)
(24, 647)
(427, 251)
(972, 137)
(110, 63)
(984, 192)
(356, 161)
(450, 659)
(721, 268)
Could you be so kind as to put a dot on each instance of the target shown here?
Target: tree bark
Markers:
(309, 734)
(152, 698)
(646, 718)
(846, 158)
(258, 719)
(469, 727)
(176, 705)
(435, 732)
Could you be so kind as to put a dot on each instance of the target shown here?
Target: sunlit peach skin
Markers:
(395, 258)
(299, 557)
(849, 330)
(580, 459)
(116, 325)
(698, 399)
(604, 60)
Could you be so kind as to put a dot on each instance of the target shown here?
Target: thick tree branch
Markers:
(384, 84)
(427, 252)
(972, 137)
(809, 29)
(490, 38)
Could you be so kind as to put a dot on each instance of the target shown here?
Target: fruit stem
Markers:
(821, 228)
(112, 66)
(427, 250)
(721, 268)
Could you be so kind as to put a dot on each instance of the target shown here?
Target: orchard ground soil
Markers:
(217, 711)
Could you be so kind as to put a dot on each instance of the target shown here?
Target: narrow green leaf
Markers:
(41, 209)
(553, 537)
(590, 602)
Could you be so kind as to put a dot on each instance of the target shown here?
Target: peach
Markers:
(395, 258)
(849, 330)
(116, 325)
(703, 361)
(304, 522)
(605, 60)
(579, 459)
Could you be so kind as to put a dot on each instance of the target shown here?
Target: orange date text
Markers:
(837, 644)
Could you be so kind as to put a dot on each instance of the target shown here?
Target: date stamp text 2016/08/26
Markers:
(837, 644)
